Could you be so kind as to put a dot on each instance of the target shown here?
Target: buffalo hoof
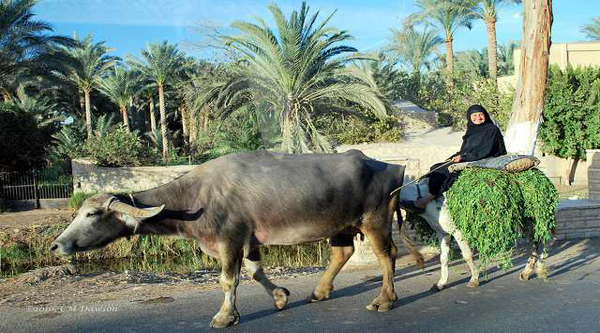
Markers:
(222, 320)
(524, 277)
(381, 306)
(435, 288)
(421, 263)
(473, 284)
(280, 297)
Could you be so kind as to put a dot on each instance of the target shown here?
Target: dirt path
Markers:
(36, 217)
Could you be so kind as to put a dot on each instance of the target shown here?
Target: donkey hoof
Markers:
(280, 297)
(224, 320)
(524, 277)
(435, 288)
(314, 297)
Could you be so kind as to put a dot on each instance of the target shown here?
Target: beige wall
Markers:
(593, 158)
(88, 177)
(561, 54)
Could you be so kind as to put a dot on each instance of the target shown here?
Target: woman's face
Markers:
(478, 118)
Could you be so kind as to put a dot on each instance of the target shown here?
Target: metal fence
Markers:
(36, 184)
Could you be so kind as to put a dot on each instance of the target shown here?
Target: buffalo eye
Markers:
(93, 213)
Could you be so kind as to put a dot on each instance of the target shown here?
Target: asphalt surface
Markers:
(568, 301)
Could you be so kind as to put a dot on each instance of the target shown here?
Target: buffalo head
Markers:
(101, 220)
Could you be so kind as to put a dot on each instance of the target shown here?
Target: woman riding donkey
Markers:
(483, 139)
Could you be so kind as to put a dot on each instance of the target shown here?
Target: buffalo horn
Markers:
(143, 213)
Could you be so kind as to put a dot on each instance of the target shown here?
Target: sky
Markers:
(129, 25)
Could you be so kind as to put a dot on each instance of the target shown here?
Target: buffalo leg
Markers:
(231, 258)
(384, 249)
(339, 257)
(252, 264)
(467, 254)
(445, 251)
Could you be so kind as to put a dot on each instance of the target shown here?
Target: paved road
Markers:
(569, 301)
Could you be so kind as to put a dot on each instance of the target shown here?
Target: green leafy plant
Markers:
(117, 147)
(78, 198)
(491, 208)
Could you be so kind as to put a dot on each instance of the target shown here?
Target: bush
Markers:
(22, 141)
(452, 104)
(118, 148)
(345, 129)
(78, 198)
(571, 117)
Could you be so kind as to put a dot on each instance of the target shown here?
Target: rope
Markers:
(418, 179)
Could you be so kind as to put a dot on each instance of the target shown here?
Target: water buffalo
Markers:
(438, 217)
(235, 203)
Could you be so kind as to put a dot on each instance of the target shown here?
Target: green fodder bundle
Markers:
(491, 207)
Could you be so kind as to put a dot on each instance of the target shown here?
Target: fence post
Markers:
(36, 194)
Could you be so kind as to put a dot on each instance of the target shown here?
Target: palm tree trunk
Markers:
(163, 122)
(88, 113)
(152, 116)
(490, 24)
(449, 60)
(125, 118)
(82, 102)
(193, 129)
(184, 123)
(528, 104)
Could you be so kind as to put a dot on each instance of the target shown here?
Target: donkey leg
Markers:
(540, 267)
(524, 276)
(467, 254)
(342, 248)
(254, 268)
(445, 250)
(231, 258)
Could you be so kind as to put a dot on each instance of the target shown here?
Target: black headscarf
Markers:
(483, 140)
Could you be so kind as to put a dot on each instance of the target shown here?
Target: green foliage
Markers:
(424, 231)
(571, 117)
(22, 141)
(78, 198)
(452, 104)
(349, 129)
(117, 148)
(490, 208)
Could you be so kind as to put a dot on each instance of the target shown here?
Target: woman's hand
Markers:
(456, 158)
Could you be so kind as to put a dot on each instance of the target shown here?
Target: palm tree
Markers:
(413, 47)
(26, 50)
(447, 16)
(472, 63)
(90, 63)
(592, 30)
(292, 74)
(160, 63)
(506, 62)
(486, 10)
(119, 87)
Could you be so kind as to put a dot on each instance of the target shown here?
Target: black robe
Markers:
(479, 142)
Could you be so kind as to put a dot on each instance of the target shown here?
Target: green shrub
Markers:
(22, 141)
(571, 117)
(345, 129)
(491, 207)
(76, 201)
(118, 148)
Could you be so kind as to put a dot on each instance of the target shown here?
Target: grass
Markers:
(28, 249)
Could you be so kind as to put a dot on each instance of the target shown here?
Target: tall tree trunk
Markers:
(88, 113)
(152, 115)
(125, 118)
(163, 122)
(193, 129)
(82, 102)
(449, 60)
(184, 123)
(527, 107)
(490, 24)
